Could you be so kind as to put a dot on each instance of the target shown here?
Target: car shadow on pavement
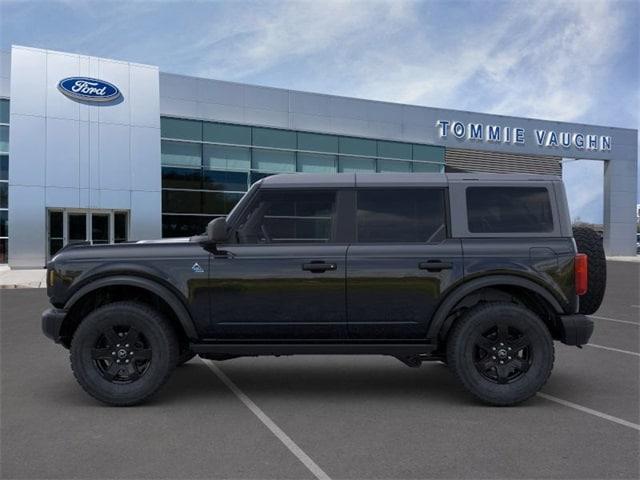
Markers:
(310, 380)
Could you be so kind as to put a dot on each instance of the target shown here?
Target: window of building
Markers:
(358, 146)
(274, 160)
(188, 178)
(316, 142)
(4, 180)
(4, 139)
(181, 153)
(181, 201)
(394, 150)
(427, 167)
(4, 111)
(316, 163)
(357, 164)
(279, 216)
(223, 180)
(4, 194)
(414, 215)
(4, 167)
(393, 166)
(230, 158)
(184, 225)
(509, 210)
(226, 133)
(181, 129)
(274, 138)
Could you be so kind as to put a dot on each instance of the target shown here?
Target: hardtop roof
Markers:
(318, 180)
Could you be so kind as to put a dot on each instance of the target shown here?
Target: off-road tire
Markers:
(589, 241)
(462, 349)
(158, 336)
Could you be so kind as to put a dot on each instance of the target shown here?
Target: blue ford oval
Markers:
(89, 89)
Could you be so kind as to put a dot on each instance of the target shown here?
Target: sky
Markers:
(558, 60)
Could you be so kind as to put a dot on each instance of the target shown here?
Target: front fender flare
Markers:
(178, 307)
(439, 324)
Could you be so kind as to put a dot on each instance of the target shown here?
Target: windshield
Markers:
(238, 206)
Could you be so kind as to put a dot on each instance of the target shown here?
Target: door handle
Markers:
(318, 267)
(435, 266)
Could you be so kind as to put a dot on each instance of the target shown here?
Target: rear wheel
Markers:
(123, 352)
(501, 352)
(590, 242)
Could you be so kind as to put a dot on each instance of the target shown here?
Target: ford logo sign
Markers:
(89, 89)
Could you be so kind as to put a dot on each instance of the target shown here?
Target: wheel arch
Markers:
(443, 319)
(119, 287)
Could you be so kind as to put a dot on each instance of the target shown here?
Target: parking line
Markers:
(590, 411)
(277, 431)
(613, 349)
(615, 320)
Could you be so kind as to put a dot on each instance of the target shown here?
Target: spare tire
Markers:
(590, 242)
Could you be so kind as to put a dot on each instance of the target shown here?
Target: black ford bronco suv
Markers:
(478, 271)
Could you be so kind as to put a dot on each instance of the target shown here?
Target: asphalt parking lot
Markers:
(324, 417)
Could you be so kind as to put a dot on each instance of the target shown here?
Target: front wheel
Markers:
(123, 352)
(501, 352)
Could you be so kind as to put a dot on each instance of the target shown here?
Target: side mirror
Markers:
(217, 230)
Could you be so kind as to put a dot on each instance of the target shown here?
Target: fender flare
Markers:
(439, 323)
(181, 312)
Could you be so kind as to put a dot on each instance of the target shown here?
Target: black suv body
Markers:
(449, 267)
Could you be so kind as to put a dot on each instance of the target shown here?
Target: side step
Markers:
(253, 349)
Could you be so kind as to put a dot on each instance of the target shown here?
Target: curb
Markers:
(11, 286)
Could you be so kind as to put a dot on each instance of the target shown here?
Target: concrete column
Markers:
(620, 199)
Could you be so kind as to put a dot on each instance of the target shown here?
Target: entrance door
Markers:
(95, 226)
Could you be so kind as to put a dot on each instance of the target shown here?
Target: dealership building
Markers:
(102, 150)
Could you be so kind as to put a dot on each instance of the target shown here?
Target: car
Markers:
(479, 271)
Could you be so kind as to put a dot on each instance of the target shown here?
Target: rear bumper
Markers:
(52, 319)
(575, 329)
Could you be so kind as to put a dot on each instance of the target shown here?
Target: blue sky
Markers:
(572, 61)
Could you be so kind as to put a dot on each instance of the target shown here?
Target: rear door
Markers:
(401, 262)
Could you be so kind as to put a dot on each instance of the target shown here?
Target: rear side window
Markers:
(414, 215)
(509, 210)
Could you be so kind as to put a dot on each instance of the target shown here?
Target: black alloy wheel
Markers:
(502, 354)
(121, 354)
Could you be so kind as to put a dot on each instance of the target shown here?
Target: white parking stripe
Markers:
(589, 411)
(277, 431)
(613, 349)
(615, 320)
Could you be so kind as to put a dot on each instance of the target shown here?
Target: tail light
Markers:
(581, 273)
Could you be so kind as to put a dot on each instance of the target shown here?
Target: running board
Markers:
(253, 349)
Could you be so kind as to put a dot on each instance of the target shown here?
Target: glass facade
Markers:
(4, 180)
(207, 166)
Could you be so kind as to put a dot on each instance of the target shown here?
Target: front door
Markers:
(285, 276)
(401, 262)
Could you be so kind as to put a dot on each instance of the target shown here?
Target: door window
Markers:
(287, 216)
(401, 215)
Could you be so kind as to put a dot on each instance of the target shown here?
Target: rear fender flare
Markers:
(164, 293)
(440, 325)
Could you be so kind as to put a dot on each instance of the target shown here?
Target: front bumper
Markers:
(575, 329)
(52, 319)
